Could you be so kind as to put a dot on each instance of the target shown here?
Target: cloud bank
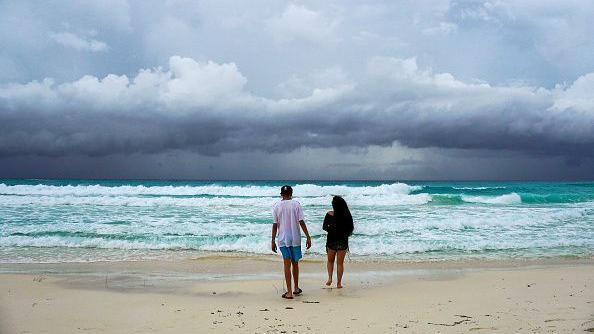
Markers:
(350, 89)
(205, 107)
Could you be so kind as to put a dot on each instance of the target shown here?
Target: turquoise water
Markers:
(87, 220)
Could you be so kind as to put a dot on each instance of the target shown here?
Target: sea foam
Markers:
(512, 198)
(69, 221)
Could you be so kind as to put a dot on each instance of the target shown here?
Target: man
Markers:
(288, 217)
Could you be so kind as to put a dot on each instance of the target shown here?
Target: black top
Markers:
(336, 239)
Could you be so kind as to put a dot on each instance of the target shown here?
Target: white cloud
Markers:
(300, 22)
(578, 96)
(195, 84)
(76, 42)
(186, 84)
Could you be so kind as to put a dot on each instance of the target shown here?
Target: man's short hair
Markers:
(286, 190)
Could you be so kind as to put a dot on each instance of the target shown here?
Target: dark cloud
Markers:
(372, 163)
(268, 79)
(204, 107)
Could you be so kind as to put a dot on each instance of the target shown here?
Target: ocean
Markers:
(44, 221)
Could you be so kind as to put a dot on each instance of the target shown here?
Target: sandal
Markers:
(298, 292)
(285, 296)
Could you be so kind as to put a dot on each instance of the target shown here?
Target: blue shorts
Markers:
(293, 253)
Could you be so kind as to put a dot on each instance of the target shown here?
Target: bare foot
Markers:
(329, 282)
(339, 286)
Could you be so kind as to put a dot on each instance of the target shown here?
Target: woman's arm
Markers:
(326, 223)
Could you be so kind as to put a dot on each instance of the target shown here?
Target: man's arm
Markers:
(304, 228)
(273, 243)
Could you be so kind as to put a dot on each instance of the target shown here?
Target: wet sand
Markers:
(222, 294)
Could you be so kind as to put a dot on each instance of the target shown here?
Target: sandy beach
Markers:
(222, 294)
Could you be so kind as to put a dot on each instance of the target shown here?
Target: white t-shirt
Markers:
(287, 214)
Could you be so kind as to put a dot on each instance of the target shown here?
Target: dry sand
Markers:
(226, 294)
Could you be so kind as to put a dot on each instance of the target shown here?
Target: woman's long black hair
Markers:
(344, 220)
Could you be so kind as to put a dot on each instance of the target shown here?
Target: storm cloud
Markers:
(214, 79)
(204, 107)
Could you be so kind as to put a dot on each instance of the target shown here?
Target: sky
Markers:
(335, 90)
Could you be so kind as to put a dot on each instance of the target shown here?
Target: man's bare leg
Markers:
(287, 264)
(295, 275)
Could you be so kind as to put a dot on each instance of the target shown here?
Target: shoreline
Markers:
(73, 255)
(221, 260)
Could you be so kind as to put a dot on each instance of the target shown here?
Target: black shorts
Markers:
(339, 244)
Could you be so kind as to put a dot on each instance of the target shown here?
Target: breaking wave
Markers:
(301, 190)
(512, 198)
(51, 221)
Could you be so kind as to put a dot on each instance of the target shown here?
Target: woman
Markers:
(339, 225)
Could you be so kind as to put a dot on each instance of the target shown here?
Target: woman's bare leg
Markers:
(339, 267)
(330, 264)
